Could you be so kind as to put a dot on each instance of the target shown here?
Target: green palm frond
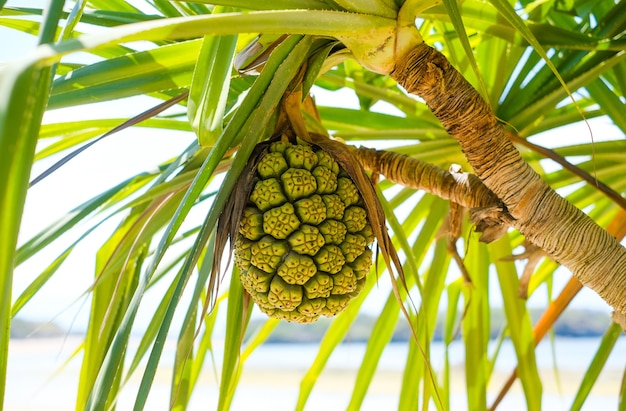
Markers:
(539, 65)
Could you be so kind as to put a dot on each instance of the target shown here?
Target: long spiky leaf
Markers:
(260, 118)
(128, 123)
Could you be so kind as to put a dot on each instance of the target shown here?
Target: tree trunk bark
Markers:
(461, 188)
(486, 210)
(546, 219)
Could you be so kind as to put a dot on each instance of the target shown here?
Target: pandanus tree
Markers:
(450, 95)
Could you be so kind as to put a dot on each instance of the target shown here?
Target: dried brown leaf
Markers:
(343, 155)
(228, 223)
(492, 222)
(454, 228)
(533, 255)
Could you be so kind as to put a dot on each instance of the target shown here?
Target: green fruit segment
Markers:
(326, 180)
(347, 191)
(267, 253)
(319, 286)
(304, 236)
(259, 280)
(300, 156)
(368, 234)
(325, 160)
(297, 269)
(361, 265)
(284, 296)
(279, 146)
(336, 304)
(267, 194)
(353, 246)
(334, 206)
(307, 240)
(311, 308)
(311, 210)
(251, 225)
(280, 221)
(243, 253)
(298, 183)
(272, 165)
(355, 219)
(344, 282)
(330, 259)
(334, 231)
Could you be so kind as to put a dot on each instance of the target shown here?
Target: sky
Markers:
(122, 155)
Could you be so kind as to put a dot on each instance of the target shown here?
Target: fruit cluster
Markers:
(304, 236)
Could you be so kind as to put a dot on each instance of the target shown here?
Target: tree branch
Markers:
(577, 171)
(548, 220)
(487, 211)
(462, 188)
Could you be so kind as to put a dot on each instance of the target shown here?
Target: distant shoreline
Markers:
(574, 323)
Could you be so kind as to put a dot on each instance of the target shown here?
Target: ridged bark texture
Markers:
(461, 188)
(546, 219)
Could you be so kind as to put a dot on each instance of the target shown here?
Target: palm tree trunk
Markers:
(546, 219)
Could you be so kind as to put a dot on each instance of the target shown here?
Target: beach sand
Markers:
(32, 384)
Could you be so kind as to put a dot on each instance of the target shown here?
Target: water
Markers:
(273, 374)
